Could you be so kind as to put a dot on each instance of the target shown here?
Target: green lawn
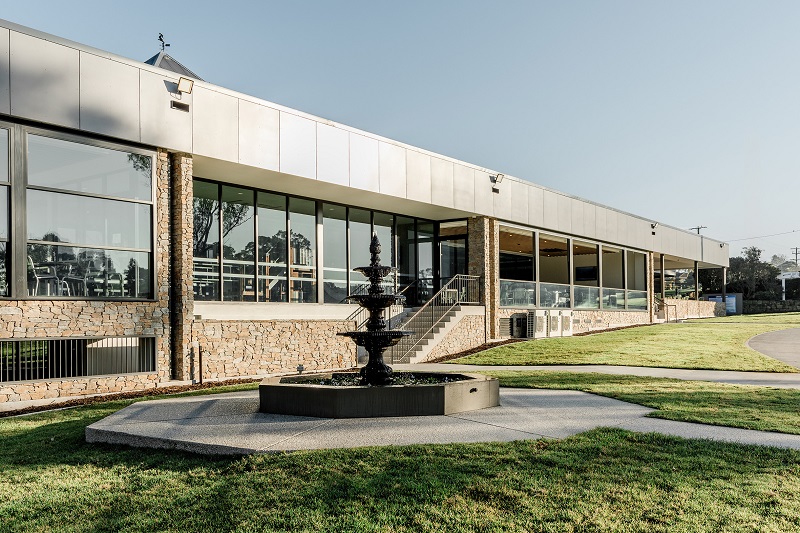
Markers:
(722, 404)
(705, 344)
(603, 480)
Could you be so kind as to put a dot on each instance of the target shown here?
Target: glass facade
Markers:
(89, 219)
(228, 220)
(517, 273)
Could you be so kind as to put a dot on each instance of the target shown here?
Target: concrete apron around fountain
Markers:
(376, 396)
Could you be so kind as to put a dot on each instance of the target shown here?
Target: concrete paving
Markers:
(783, 345)
(231, 424)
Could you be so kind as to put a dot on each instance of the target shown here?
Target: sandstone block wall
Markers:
(694, 308)
(765, 306)
(252, 348)
(468, 333)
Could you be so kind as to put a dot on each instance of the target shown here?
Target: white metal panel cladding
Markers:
(298, 146)
(161, 125)
(576, 208)
(109, 97)
(612, 223)
(441, 182)
(550, 200)
(564, 213)
(502, 200)
(484, 198)
(418, 176)
(589, 220)
(215, 128)
(392, 169)
(463, 188)
(519, 201)
(364, 163)
(44, 80)
(259, 135)
(5, 93)
(333, 155)
(600, 217)
(535, 206)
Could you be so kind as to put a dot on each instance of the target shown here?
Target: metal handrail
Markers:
(659, 302)
(460, 289)
(361, 314)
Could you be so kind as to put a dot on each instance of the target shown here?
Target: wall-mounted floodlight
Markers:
(497, 179)
(654, 225)
(185, 85)
(722, 245)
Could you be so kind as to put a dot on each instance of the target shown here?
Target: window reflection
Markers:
(334, 231)
(553, 259)
(238, 245)
(61, 164)
(272, 284)
(302, 251)
(205, 241)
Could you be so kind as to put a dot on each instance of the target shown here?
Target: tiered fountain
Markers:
(376, 339)
(375, 391)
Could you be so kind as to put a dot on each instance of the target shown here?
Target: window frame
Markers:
(18, 234)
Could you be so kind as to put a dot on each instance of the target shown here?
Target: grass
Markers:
(722, 404)
(603, 480)
(717, 344)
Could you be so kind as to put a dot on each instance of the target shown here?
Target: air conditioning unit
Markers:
(566, 323)
(537, 324)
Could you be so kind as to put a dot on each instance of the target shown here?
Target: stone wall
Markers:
(233, 348)
(750, 307)
(483, 241)
(181, 262)
(694, 308)
(468, 333)
(57, 388)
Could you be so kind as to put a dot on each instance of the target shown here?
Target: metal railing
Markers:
(395, 311)
(661, 304)
(460, 289)
(41, 359)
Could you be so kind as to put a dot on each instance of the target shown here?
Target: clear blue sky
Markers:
(687, 112)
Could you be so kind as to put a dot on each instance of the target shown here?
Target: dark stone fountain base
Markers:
(324, 401)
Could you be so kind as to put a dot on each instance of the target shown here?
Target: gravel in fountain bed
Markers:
(353, 379)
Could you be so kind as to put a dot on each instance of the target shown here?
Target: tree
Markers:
(754, 278)
(777, 260)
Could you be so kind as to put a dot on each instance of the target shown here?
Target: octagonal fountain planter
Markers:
(300, 396)
(376, 391)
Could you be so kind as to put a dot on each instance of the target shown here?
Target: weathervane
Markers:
(161, 39)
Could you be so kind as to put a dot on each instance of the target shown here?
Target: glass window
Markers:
(406, 255)
(238, 245)
(272, 283)
(453, 258)
(425, 248)
(584, 258)
(455, 227)
(334, 257)
(383, 226)
(79, 167)
(553, 259)
(612, 268)
(205, 241)
(302, 251)
(360, 236)
(516, 254)
(59, 217)
(57, 270)
(637, 271)
(3, 213)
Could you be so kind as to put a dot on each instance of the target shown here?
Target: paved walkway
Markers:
(231, 424)
(783, 345)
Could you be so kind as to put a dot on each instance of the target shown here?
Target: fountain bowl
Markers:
(291, 396)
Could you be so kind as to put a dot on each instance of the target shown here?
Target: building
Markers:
(157, 226)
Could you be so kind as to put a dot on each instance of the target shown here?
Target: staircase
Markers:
(431, 322)
(427, 340)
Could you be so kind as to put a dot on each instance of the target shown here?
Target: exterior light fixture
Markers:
(497, 179)
(722, 245)
(185, 85)
(654, 225)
